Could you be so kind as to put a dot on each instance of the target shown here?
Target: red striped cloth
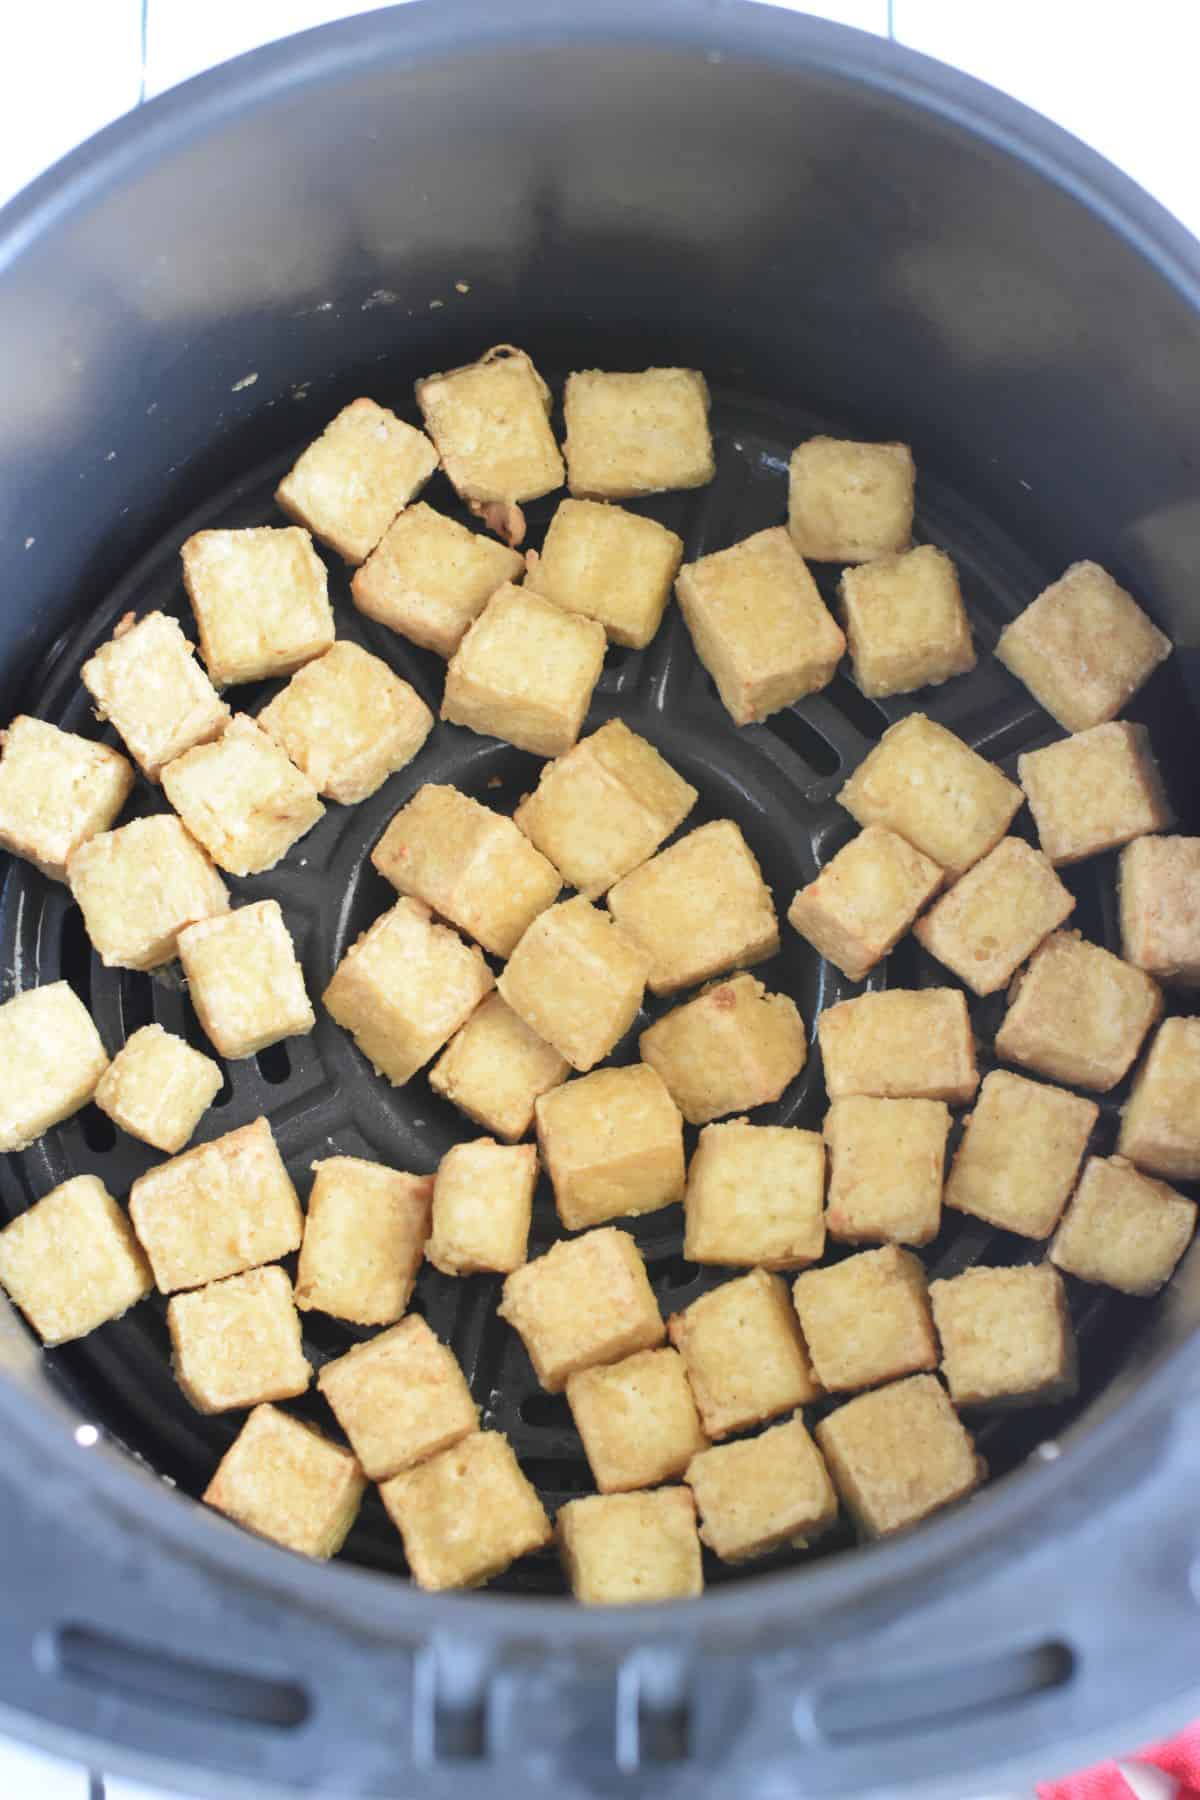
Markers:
(1178, 1757)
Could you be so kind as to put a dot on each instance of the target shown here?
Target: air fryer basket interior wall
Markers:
(837, 232)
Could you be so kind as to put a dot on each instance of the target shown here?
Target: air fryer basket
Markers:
(844, 238)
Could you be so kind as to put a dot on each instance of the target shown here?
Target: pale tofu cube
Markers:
(1083, 648)
(51, 1059)
(242, 798)
(995, 916)
(905, 622)
(745, 1358)
(494, 1068)
(138, 886)
(866, 1320)
(237, 1342)
(157, 1087)
(1122, 1229)
(244, 979)
(399, 1398)
(1159, 890)
(217, 1210)
(147, 683)
(1020, 1154)
(482, 1207)
(1078, 1014)
(904, 1044)
(577, 979)
(630, 434)
(72, 1263)
(429, 578)
(864, 900)
(525, 672)
(588, 1300)
(490, 421)
(347, 722)
(732, 1048)
(1160, 1126)
(1094, 792)
(364, 1238)
(349, 485)
(759, 625)
(850, 502)
(755, 1196)
(403, 989)
(261, 601)
(619, 1549)
(469, 864)
(285, 1481)
(610, 565)
(612, 1144)
(466, 1514)
(56, 791)
(1006, 1336)
(637, 1420)
(899, 1454)
(763, 1493)
(886, 1163)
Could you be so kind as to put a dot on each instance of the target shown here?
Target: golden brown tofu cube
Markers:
(899, 1454)
(905, 1044)
(399, 1398)
(763, 1493)
(866, 1320)
(429, 578)
(491, 423)
(261, 601)
(71, 1262)
(612, 1144)
(630, 434)
(905, 622)
(56, 791)
(525, 672)
(759, 624)
(745, 1358)
(135, 923)
(1083, 648)
(577, 979)
(1160, 1126)
(466, 1514)
(850, 502)
(1094, 792)
(221, 1208)
(587, 1300)
(1123, 1229)
(482, 1206)
(51, 1059)
(244, 980)
(1159, 890)
(1020, 1154)
(347, 722)
(1006, 1336)
(469, 864)
(157, 1087)
(864, 900)
(237, 1342)
(285, 1481)
(404, 988)
(1078, 1014)
(242, 798)
(494, 1068)
(349, 485)
(637, 1420)
(618, 1549)
(147, 683)
(886, 1160)
(610, 565)
(364, 1238)
(755, 1196)
(731, 1048)
(995, 916)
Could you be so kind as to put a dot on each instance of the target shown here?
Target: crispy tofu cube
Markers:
(850, 502)
(864, 900)
(364, 1238)
(732, 1048)
(217, 1210)
(759, 624)
(630, 434)
(1094, 792)
(403, 989)
(995, 916)
(1122, 1229)
(157, 1087)
(285, 1481)
(469, 864)
(899, 1454)
(347, 722)
(525, 672)
(1160, 1126)
(147, 683)
(1078, 1014)
(1159, 890)
(618, 1549)
(905, 622)
(242, 798)
(491, 423)
(745, 1358)
(577, 979)
(763, 1493)
(51, 1059)
(429, 578)
(866, 1320)
(482, 1206)
(261, 601)
(349, 485)
(56, 791)
(138, 886)
(1083, 648)
(586, 1301)
(494, 1068)
(399, 1398)
(466, 1514)
(905, 1044)
(237, 1342)
(244, 980)
(755, 1196)
(71, 1262)
(613, 1145)
(1006, 1336)
(886, 1163)
(1020, 1154)
(637, 1420)
(610, 565)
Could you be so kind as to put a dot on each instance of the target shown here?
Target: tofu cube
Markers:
(602, 809)
(133, 922)
(56, 791)
(866, 1320)
(1006, 1336)
(886, 1159)
(469, 864)
(745, 1358)
(610, 565)
(237, 1342)
(51, 1059)
(732, 1048)
(637, 1420)
(763, 1493)
(403, 989)
(618, 1549)
(244, 980)
(525, 672)
(759, 625)
(283, 1480)
(1078, 1014)
(899, 1454)
(1094, 792)
(399, 1398)
(613, 1145)
(995, 916)
(349, 485)
(1160, 1126)
(494, 1068)
(242, 798)
(347, 723)
(904, 1044)
(1020, 1154)
(429, 578)
(147, 683)
(364, 1238)
(1122, 1229)
(588, 1300)
(905, 622)
(261, 601)
(217, 1210)
(926, 784)
(849, 502)
(1083, 648)
(482, 1206)
(157, 1087)
(490, 421)
(755, 1197)
(630, 434)
(466, 1514)
(72, 1263)
(577, 979)
(864, 900)
(1159, 890)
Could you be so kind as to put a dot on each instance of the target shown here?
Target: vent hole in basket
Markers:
(806, 741)
(869, 720)
(151, 1676)
(99, 1132)
(75, 951)
(274, 1064)
(459, 1732)
(137, 1001)
(928, 1699)
(546, 1410)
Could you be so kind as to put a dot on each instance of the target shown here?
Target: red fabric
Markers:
(1178, 1756)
